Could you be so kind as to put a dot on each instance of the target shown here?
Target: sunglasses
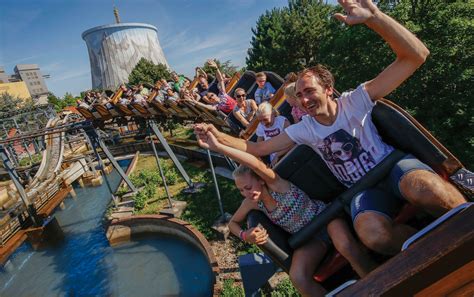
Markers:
(240, 96)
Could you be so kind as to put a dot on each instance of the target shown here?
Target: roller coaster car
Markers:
(123, 109)
(159, 107)
(278, 102)
(305, 168)
(103, 111)
(141, 109)
(233, 81)
(194, 83)
(246, 82)
(86, 113)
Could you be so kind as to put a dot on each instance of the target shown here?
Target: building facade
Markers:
(114, 50)
(31, 75)
(16, 89)
(26, 82)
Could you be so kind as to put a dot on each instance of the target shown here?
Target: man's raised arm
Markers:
(411, 52)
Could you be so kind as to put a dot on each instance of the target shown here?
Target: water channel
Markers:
(85, 265)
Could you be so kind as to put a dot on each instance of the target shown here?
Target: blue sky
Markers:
(48, 33)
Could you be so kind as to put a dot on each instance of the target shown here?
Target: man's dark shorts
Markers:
(386, 198)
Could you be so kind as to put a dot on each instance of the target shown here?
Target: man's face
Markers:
(261, 81)
(175, 77)
(203, 83)
(313, 97)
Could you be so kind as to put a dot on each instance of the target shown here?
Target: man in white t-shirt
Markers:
(342, 132)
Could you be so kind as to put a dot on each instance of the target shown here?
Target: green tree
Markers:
(438, 94)
(60, 103)
(147, 72)
(292, 34)
(9, 102)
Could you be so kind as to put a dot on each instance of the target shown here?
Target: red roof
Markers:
(71, 109)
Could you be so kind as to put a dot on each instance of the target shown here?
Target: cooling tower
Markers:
(115, 49)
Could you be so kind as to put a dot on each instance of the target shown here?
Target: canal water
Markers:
(85, 265)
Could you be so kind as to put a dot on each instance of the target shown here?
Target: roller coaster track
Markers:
(46, 182)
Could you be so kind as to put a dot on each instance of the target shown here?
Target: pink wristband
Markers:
(242, 234)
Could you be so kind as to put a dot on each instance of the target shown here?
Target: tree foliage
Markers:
(60, 103)
(9, 102)
(291, 34)
(439, 94)
(147, 72)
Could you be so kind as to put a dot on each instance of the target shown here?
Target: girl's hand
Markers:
(212, 63)
(200, 130)
(212, 141)
(257, 235)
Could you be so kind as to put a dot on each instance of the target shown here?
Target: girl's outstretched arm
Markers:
(209, 141)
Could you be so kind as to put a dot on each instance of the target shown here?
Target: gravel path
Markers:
(226, 256)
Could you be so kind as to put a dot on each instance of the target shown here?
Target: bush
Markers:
(285, 289)
(231, 290)
(139, 200)
(122, 191)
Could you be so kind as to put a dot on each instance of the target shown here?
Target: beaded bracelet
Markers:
(242, 234)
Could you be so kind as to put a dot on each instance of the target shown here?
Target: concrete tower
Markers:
(115, 49)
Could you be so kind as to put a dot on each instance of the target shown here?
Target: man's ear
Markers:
(329, 91)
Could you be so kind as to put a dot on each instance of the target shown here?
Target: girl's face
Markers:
(291, 100)
(249, 186)
(266, 119)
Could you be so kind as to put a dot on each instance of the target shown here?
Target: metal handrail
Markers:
(435, 224)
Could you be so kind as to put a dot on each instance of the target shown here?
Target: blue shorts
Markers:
(386, 198)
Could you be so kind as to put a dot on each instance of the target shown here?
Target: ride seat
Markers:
(246, 81)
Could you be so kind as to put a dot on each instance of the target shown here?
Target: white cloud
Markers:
(75, 73)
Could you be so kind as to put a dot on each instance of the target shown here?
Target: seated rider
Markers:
(104, 101)
(143, 91)
(88, 98)
(290, 208)
(178, 82)
(343, 134)
(265, 90)
(296, 111)
(140, 99)
(82, 104)
(271, 124)
(204, 86)
(245, 109)
(223, 102)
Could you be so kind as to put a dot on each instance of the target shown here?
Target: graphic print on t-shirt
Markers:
(345, 156)
(272, 132)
